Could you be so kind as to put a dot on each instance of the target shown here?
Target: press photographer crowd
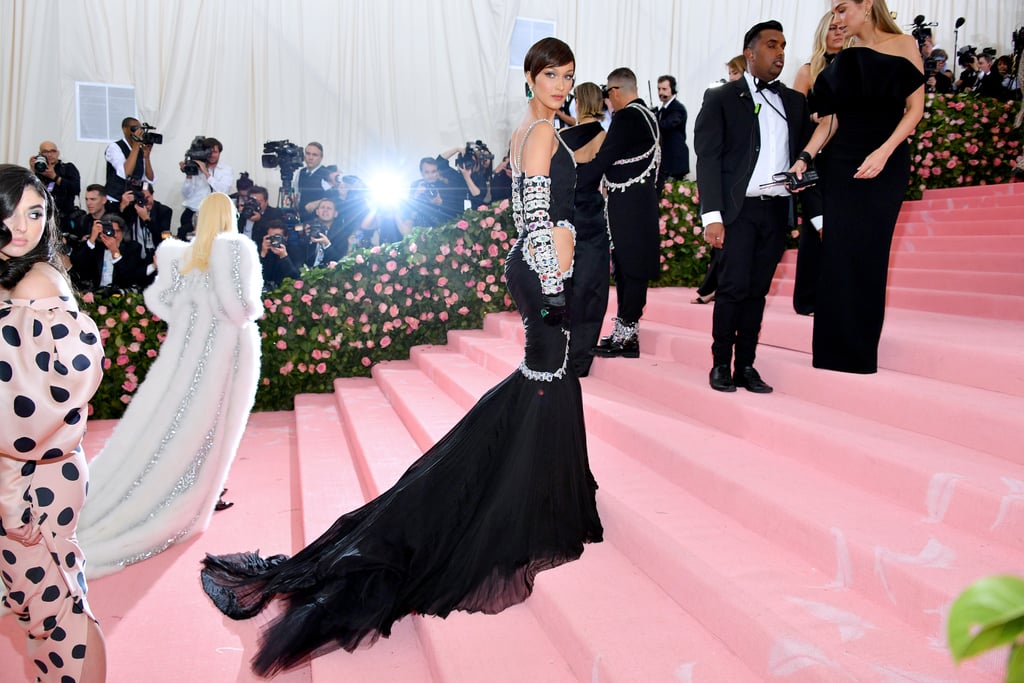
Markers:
(110, 242)
(322, 213)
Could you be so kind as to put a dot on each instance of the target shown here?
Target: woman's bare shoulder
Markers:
(40, 282)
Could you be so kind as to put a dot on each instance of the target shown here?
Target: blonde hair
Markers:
(882, 19)
(820, 46)
(217, 214)
(739, 63)
(589, 101)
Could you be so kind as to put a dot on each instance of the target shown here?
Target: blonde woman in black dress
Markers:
(871, 99)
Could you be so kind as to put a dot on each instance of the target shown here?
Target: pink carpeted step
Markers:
(983, 224)
(957, 280)
(899, 464)
(642, 433)
(966, 303)
(330, 487)
(963, 206)
(941, 260)
(995, 244)
(969, 191)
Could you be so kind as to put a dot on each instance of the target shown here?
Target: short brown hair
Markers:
(547, 52)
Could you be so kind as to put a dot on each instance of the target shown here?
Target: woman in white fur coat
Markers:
(158, 478)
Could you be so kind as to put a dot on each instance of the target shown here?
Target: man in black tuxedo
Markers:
(747, 131)
(108, 259)
(990, 81)
(675, 155)
(628, 161)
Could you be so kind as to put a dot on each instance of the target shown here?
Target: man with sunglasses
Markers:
(127, 158)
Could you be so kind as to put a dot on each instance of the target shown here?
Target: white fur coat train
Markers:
(158, 477)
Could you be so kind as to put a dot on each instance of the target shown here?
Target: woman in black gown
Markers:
(506, 493)
(592, 262)
(870, 98)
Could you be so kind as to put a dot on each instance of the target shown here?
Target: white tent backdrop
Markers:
(380, 83)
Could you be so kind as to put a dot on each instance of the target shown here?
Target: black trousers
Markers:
(631, 294)
(746, 264)
(589, 300)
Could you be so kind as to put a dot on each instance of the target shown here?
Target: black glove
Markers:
(553, 310)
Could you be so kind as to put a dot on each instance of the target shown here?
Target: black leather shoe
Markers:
(749, 379)
(721, 380)
(222, 504)
(608, 348)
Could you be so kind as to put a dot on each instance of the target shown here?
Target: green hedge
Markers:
(377, 304)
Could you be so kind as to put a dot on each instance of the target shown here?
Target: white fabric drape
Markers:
(378, 82)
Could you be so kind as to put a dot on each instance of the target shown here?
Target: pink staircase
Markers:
(818, 534)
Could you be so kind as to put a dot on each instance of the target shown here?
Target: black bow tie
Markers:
(774, 86)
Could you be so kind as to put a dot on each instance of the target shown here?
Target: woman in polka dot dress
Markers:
(50, 366)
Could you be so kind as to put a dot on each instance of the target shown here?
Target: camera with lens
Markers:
(39, 164)
(149, 136)
(284, 155)
(199, 150)
(249, 208)
(107, 227)
(134, 185)
(791, 182)
(317, 229)
(290, 218)
(475, 154)
(276, 241)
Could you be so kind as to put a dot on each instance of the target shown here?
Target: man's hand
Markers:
(143, 213)
(714, 234)
(111, 244)
(97, 230)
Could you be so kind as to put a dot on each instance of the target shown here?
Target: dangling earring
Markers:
(529, 92)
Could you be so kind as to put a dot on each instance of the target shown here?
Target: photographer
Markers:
(936, 80)
(438, 195)
(254, 212)
(277, 263)
(203, 174)
(501, 181)
(968, 60)
(60, 177)
(312, 183)
(129, 157)
(476, 164)
(148, 221)
(328, 236)
(106, 259)
(990, 81)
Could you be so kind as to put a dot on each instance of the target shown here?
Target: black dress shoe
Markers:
(721, 380)
(609, 348)
(749, 379)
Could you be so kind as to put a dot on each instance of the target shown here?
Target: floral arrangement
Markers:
(964, 140)
(377, 304)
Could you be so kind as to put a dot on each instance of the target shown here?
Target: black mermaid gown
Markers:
(867, 90)
(506, 493)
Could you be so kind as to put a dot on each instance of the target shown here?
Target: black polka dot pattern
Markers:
(49, 355)
(10, 335)
(24, 406)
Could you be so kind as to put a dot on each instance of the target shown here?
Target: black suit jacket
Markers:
(675, 155)
(129, 271)
(991, 85)
(727, 140)
(66, 191)
(632, 213)
(159, 222)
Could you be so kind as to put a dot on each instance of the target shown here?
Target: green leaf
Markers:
(1015, 666)
(988, 614)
